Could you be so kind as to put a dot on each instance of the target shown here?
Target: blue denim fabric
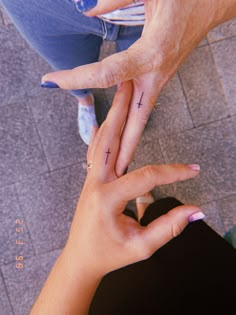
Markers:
(63, 36)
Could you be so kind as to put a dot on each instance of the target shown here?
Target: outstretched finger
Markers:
(143, 180)
(145, 93)
(112, 70)
(105, 149)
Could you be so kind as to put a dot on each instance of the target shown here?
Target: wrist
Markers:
(76, 265)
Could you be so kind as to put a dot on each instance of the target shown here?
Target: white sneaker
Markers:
(86, 120)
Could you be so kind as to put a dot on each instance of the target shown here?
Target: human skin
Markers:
(173, 28)
(102, 238)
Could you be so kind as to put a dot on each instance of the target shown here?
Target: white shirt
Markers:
(132, 14)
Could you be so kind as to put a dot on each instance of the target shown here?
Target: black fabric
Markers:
(194, 273)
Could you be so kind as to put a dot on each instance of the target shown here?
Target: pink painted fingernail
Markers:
(194, 167)
(196, 216)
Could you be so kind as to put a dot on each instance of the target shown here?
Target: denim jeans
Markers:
(64, 37)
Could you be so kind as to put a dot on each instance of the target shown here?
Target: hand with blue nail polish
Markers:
(49, 85)
(172, 29)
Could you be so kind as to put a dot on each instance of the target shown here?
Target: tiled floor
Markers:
(41, 153)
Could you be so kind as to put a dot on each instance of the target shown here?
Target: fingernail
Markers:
(48, 84)
(194, 167)
(85, 5)
(196, 216)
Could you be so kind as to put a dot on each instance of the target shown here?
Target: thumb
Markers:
(96, 7)
(168, 226)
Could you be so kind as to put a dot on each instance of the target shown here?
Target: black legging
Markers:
(194, 273)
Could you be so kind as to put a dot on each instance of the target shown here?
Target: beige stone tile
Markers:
(222, 31)
(202, 87)
(225, 58)
(213, 146)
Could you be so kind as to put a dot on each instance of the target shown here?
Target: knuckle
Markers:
(147, 171)
(108, 77)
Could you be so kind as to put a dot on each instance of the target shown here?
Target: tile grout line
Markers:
(44, 173)
(186, 99)
(220, 80)
(40, 140)
(221, 39)
(220, 212)
(1, 16)
(7, 293)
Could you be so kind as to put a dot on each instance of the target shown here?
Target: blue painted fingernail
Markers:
(49, 85)
(85, 5)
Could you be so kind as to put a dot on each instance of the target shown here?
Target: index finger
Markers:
(112, 70)
(143, 180)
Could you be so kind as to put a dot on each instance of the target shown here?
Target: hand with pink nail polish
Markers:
(102, 237)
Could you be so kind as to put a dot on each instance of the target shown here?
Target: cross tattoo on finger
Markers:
(107, 153)
(140, 102)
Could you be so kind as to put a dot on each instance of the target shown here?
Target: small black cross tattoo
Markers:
(107, 153)
(140, 102)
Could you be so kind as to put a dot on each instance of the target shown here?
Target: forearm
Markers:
(68, 289)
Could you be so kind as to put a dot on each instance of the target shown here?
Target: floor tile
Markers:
(172, 114)
(212, 146)
(202, 87)
(5, 306)
(213, 217)
(203, 42)
(224, 55)
(49, 203)
(21, 67)
(103, 101)
(149, 153)
(222, 31)
(228, 209)
(1, 18)
(55, 115)
(25, 284)
(107, 48)
(21, 153)
(14, 230)
(7, 21)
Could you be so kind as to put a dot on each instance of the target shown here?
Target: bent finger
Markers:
(168, 226)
